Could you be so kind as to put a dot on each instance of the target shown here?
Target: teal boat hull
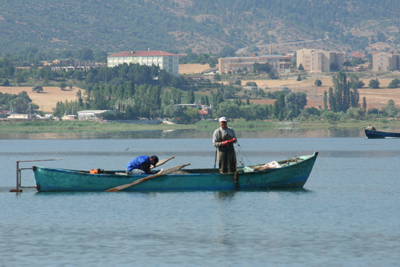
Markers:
(380, 135)
(293, 174)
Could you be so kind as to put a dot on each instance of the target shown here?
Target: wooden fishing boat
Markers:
(372, 134)
(290, 173)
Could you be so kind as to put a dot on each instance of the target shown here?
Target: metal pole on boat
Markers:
(18, 184)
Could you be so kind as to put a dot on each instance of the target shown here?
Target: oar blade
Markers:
(161, 162)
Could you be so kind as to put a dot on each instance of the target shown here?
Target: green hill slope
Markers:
(202, 25)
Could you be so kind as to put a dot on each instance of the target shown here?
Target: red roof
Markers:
(202, 112)
(142, 54)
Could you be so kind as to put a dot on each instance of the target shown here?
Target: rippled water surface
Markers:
(348, 213)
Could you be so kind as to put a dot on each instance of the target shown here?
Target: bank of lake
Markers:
(206, 125)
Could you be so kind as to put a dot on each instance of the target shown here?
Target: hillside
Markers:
(201, 25)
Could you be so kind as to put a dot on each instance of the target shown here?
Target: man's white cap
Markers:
(222, 119)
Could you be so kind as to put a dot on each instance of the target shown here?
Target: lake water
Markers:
(348, 213)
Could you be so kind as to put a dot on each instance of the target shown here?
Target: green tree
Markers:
(217, 98)
(355, 83)
(229, 109)
(342, 92)
(62, 85)
(294, 102)
(20, 79)
(164, 78)
(394, 83)
(332, 100)
(86, 54)
(6, 82)
(318, 82)
(191, 115)
(272, 75)
(227, 51)
(364, 104)
(301, 68)
(325, 100)
(37, 88)
(298, 78)
(176, 95)
(190, 97)
(80, 100)
(374, 84)
(173, 111)
(207, 102)
(275, 109)
(166, 99)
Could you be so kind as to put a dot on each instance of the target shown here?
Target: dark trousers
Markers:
(226, 159)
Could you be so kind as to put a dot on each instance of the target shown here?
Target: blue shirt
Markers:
(136, 163)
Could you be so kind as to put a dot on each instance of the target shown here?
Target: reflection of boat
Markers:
(371, 134)
(291, 173)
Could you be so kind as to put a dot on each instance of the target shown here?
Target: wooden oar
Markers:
(158, 174)
(161, 162)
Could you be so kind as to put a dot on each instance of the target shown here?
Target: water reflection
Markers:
(225, 195)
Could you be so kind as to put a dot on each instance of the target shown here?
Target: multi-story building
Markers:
(317, 60)
(165, 60)
(385, 61)
(233, 64)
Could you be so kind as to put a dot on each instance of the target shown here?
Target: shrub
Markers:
(394, 83)
(374, 84)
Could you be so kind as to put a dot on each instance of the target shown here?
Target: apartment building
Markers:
(277, 62)
(317, 60)
(385, 61)
(165, 60)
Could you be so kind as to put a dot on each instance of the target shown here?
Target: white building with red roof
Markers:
(165, 60)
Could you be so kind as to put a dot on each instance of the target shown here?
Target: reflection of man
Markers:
(223, 139)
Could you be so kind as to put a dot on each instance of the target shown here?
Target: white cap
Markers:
(222, 119)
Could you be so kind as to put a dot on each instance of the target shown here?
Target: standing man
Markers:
(223, 139)
(141, 165)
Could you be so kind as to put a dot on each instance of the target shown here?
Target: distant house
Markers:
(68, 117)
(165, 60)
(21, 116)
(278, 63)
(91, 114)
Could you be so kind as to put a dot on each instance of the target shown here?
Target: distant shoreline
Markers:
(88, 126)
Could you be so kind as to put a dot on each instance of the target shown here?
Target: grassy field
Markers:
(87, 126)
(82, 126)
